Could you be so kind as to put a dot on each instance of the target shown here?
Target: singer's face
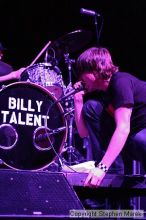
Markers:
(89, 81)
(93, 83)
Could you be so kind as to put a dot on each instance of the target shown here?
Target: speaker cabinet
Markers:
(30, 193)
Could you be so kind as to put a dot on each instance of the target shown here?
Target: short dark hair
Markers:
(98, 61)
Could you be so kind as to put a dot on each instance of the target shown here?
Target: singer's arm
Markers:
(78, 106)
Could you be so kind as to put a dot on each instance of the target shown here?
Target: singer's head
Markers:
(95, 68)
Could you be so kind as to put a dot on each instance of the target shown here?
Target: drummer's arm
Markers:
(12, 75)
(7, 77)
(78, 106)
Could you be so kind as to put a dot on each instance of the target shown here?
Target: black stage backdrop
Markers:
(27, 26)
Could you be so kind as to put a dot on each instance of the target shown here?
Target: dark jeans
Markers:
(101, 127)
(135, 148)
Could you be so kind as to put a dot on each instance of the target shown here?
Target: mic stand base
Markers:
(56, 165)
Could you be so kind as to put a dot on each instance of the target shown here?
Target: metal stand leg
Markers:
(70, 149)
(87, 147)
(136, 167)
(136, 171)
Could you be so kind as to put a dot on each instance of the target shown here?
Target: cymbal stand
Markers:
(69, 108)
(96, 29)
(69, 63)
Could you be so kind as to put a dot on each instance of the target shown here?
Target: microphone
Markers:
(72, 92)
(89, 12)
(44, 136)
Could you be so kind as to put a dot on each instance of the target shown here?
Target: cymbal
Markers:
(71, 42)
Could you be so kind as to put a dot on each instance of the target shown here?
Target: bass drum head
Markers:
(32, 126)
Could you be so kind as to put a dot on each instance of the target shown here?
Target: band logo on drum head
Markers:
(23, 111)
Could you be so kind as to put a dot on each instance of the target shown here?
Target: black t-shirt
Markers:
(125, 89)
(5, 69)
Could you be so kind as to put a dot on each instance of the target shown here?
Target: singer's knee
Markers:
(92, 108)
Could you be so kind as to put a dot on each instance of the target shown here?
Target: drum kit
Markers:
(35, 124)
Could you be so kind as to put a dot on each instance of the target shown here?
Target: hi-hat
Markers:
(71, 42)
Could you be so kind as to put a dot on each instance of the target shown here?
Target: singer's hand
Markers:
(78, 85)
(78, 97)
(94, 178)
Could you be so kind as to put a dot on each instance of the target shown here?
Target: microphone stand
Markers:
(69, 105)
(96, 29)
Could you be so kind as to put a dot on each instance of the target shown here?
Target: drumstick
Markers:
(42, 51)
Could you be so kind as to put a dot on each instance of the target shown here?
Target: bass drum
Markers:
(33, 129)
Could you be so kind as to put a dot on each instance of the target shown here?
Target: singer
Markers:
(115, 122)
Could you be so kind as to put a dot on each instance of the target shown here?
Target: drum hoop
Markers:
(64, 120)
(39, 65)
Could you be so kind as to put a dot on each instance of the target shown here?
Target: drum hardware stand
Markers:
(69, 63)
(69, 113)
(51, 58)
